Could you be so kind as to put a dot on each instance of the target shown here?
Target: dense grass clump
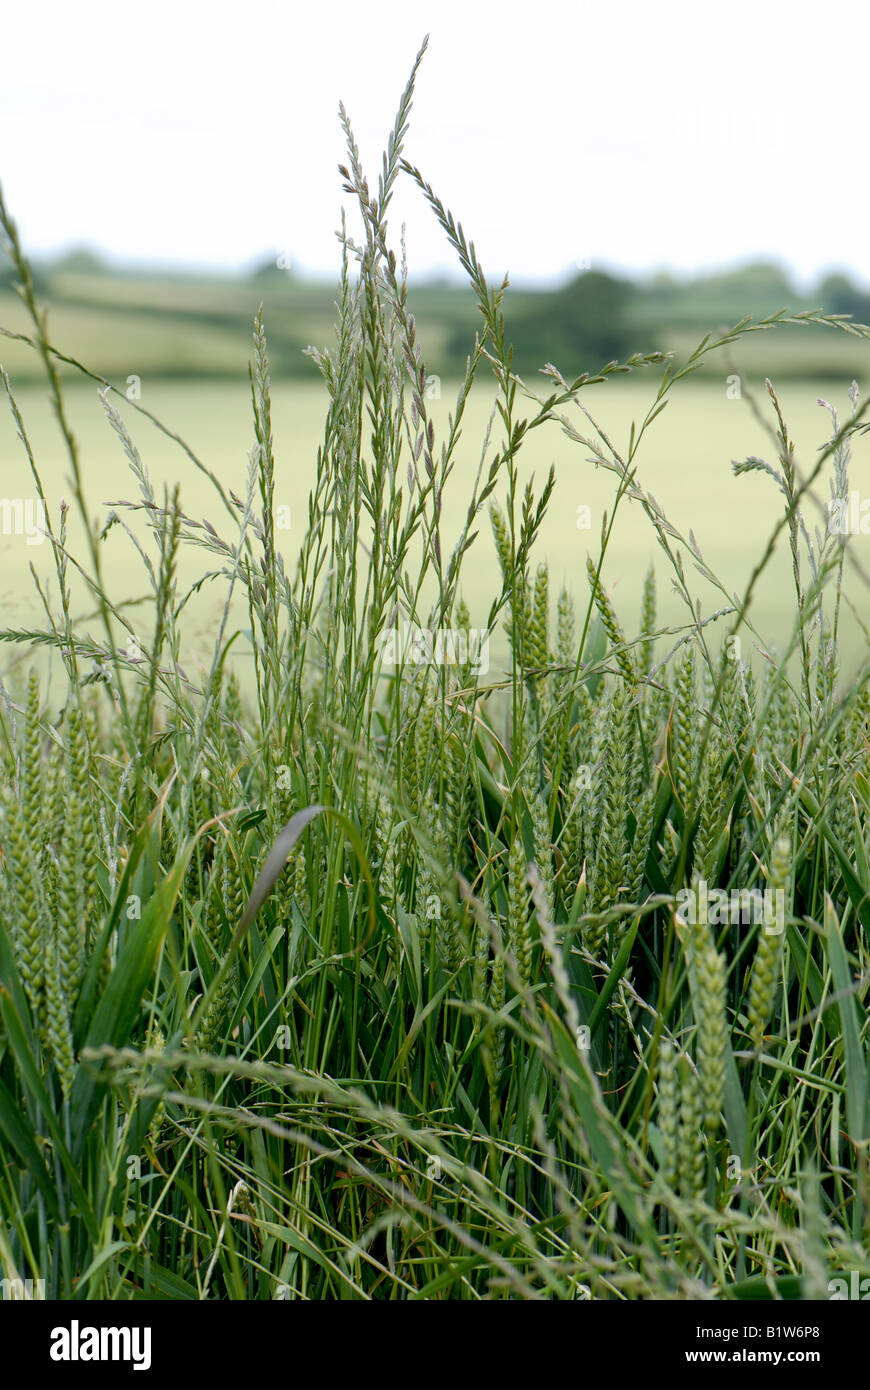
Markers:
(398, 977)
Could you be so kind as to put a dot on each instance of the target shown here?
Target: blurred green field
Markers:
(685, 461)
(168, 325)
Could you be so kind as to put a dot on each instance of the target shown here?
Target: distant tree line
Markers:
(579, 327)
(838, 295)
(597, 317)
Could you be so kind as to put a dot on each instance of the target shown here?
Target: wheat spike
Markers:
(765, 979)
(668, 1110)
(690, 1162)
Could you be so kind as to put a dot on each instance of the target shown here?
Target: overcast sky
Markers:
(632, 135)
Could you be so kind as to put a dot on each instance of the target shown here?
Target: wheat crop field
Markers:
(434, 816)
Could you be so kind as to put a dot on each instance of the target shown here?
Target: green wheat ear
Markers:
(543, 851)
(87, 855)
(565, 624)
(647, 624)
(765, 980)
(711, 798)
(707, 984)
(58, 1019)
(607, 880)
(690, 1160)
(30, 932)
(234, 713)
(538, 632)
(668, 1118)
(635, 873)
(611, 625)
(685, 734)
(73, 897)
(32, 794)
(518, 938)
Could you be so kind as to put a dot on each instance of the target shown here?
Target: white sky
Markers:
(636, 135)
